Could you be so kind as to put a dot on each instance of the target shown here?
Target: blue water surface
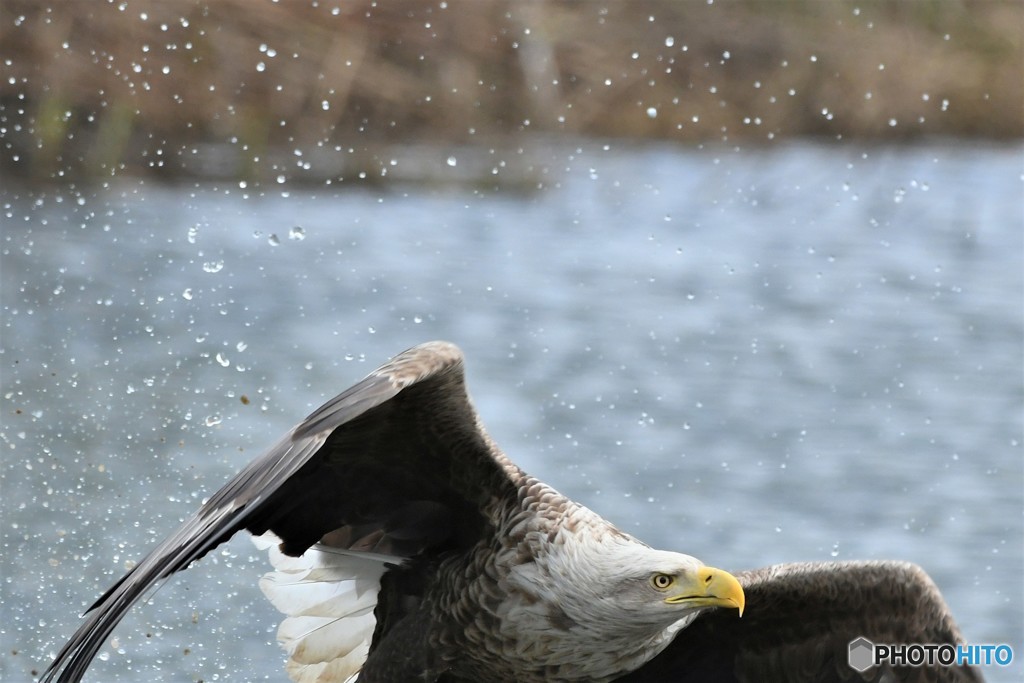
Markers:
(805, 353)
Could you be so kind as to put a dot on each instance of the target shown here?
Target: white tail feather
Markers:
(328, 596)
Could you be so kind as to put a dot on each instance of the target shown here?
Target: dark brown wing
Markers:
(397, 464)
(799, 621)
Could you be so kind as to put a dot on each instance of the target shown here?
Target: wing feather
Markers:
(373, 450)
(799, 621)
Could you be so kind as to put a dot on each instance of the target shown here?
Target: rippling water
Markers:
(810, 353)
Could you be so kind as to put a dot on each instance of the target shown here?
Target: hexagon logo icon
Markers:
(861, 656)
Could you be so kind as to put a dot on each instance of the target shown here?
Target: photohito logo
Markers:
(863, 654)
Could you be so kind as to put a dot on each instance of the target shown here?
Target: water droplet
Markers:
(297, 234)
(213, 266)
(212, 420)
(273, 240)
(452, 161)
(187, 294)
(652, 112)
(224, 362)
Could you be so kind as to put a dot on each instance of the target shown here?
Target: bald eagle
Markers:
(407, 547)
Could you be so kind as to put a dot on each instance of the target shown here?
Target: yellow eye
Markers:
(662, 581)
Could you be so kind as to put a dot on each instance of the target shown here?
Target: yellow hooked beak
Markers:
(708, 587)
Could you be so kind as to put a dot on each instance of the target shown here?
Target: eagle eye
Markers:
(662, 581)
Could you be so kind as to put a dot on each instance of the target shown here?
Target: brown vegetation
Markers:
(225, 87)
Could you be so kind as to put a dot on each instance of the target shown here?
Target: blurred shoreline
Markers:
(374, 92)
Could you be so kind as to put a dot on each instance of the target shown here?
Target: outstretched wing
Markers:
(396, 465)
(798, 624)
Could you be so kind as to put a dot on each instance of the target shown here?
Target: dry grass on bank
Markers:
(179, 86)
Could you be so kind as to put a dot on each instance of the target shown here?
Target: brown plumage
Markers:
(409, 547)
